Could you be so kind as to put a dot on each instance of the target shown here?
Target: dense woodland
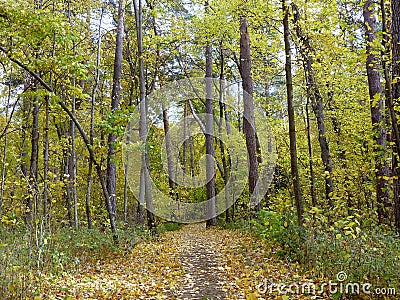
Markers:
(326, 75)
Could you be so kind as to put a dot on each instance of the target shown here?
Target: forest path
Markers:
(200, 256)
(190, 263)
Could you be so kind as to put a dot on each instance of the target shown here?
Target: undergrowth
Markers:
(26, 255)
(365, 255)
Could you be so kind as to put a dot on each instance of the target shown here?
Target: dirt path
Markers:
(201, 261)
(191, 263)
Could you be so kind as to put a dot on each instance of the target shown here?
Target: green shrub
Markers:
(280, 230)
(371, 256)
(168, 226)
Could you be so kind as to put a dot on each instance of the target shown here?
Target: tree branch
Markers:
(82, 133)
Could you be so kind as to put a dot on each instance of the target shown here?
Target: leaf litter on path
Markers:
(191, 263)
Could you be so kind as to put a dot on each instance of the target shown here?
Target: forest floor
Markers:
(190, 263)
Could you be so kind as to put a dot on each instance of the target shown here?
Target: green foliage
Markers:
(366, 256)
(280, 231)
(168, 226)
(372, 256)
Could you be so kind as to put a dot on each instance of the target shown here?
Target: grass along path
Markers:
(191, 263)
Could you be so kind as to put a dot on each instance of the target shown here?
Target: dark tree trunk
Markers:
(239, 117)
(33, 168)
(390, 114)
(68, 194)
(223, 117)
(168, 149)
(376, 104)
(396, 89)
(191, 155)
(209, 126)
(292, 121)
(46, 161)
(26, 110)
(310, 154)
(116, 93)
(396, 51)
(72, 168)
(249, 128)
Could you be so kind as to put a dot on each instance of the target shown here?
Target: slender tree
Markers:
(115, 99)
(4, 154)
(223, 117)
(249, 128)
(92, 116)
(306, 52)
(145, 195)
(395, 5)
(310, 153)
(376, 104)
(168, 149)
(292, 121)
(210, 151)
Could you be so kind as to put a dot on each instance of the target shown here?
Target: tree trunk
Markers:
(46, 161)
(33, 167)
(396, 87)
(310, 154)
(115, 98)
(249, 128)
(4, 160)
(209, 127)
(185, 143)
(72, 193)
(72, 165)
(145, 189)
(26, 111)
(223, 116)
(396, 51)
(92, 116)
(317, 106)
(292, 121)
(168, 149)
(68, 191)
(376, 104)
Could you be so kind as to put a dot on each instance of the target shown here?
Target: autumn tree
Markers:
(249, 128)
(292, 124)
(376, 103)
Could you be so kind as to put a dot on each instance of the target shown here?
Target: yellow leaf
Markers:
(251, 296)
